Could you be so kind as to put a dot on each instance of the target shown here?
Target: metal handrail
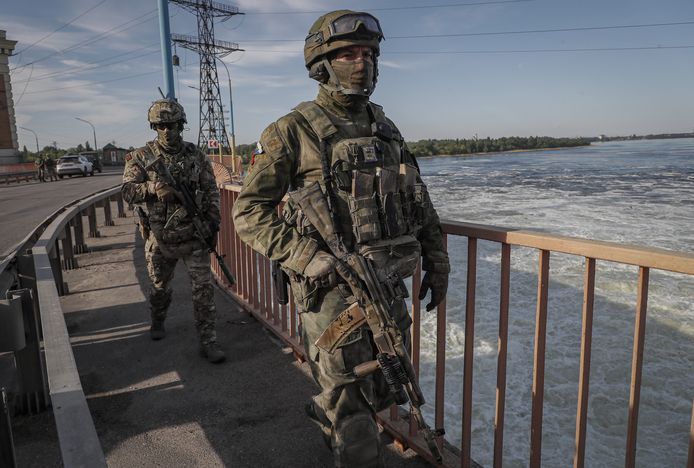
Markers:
(253, 291)
(79, 442)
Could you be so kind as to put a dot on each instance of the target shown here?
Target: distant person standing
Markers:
(170, 234)
(50, 168)
(40, 163)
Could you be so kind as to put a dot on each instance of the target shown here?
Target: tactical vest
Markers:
(376, 196)
(169, 222)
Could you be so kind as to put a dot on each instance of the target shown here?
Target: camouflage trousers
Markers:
(347, 405)
(161, 267)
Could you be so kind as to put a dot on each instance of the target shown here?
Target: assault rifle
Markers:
(371, 307)
(200, 221)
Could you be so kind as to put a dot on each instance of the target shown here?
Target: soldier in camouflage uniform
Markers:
(49, 165)
(343, 136)
(169, 233)
(40, 163)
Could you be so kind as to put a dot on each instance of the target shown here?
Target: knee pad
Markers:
(159, 299)
(355, 442)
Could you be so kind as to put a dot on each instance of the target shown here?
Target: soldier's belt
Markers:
(340, 328)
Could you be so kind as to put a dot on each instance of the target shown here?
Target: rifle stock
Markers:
(198, 218)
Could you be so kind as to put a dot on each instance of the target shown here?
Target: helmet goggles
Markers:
(349, 24)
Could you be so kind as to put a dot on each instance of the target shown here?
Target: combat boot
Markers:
(212, 351)
(156, 330)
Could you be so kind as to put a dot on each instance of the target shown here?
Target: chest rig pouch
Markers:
(370, 179)
(171, 223)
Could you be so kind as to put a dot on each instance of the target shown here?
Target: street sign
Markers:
(212, 144)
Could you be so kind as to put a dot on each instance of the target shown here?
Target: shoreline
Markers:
(488, 153)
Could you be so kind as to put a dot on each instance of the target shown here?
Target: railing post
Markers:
(27, 280)
(80, 246)
(91, 213)
(30, 365)
(69, 260)
(538, 387)
(54, 257)
(637, 365)
(7, 455)
(468, 353)
(121, 208)
(108, 218)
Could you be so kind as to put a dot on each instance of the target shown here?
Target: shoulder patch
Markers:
(128, 157)
(270, 141)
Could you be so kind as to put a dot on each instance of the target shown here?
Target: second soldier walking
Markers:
(170, 233)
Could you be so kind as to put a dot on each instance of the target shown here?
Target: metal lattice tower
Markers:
(211, 114)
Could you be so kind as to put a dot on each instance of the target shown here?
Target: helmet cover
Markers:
(166, 111)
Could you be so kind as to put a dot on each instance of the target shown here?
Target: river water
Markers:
(637, 192)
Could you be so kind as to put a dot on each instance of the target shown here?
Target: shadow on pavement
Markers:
(160, 403)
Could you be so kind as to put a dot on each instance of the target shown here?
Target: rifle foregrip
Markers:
(365, 368)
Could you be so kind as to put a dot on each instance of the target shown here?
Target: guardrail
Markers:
(31, 278)
(17, 172)
(254, 292)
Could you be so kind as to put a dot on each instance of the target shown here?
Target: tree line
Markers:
(491, 145)
(53, 152)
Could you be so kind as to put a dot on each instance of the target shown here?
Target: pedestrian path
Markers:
(160, 403)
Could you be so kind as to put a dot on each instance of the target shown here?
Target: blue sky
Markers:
(100, 60)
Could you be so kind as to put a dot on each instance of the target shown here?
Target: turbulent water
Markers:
(637, 192)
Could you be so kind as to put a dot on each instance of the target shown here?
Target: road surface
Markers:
(25, 205)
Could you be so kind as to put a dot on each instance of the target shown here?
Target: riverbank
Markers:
(497, 153)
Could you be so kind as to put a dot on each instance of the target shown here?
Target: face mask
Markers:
(169, 137)
(357, 77)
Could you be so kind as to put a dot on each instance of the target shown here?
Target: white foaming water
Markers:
(636, 192)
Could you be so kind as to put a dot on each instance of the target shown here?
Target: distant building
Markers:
(113, 156)
(9, 146)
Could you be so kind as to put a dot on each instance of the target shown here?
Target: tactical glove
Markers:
(321, 270)
(438, 283)
(164, 192)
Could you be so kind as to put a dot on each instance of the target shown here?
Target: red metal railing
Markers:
(253, 291)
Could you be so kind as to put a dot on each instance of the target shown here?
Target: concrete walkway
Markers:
(161, 404)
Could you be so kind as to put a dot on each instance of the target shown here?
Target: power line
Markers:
(530, 51)
(534, 31)
(94, 82)
(94, 39)
(502, 33)
(62, 27)
(419, 7)
(510, 51)
(25, 87)
(99, 63)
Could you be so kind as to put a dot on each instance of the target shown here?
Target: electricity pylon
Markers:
(209, 49)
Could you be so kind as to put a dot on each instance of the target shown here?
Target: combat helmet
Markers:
(165, 111)
(337, 29)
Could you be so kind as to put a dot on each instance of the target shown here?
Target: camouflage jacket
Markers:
(289, 158)
(169, 222)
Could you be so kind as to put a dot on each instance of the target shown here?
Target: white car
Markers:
(74, 164)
